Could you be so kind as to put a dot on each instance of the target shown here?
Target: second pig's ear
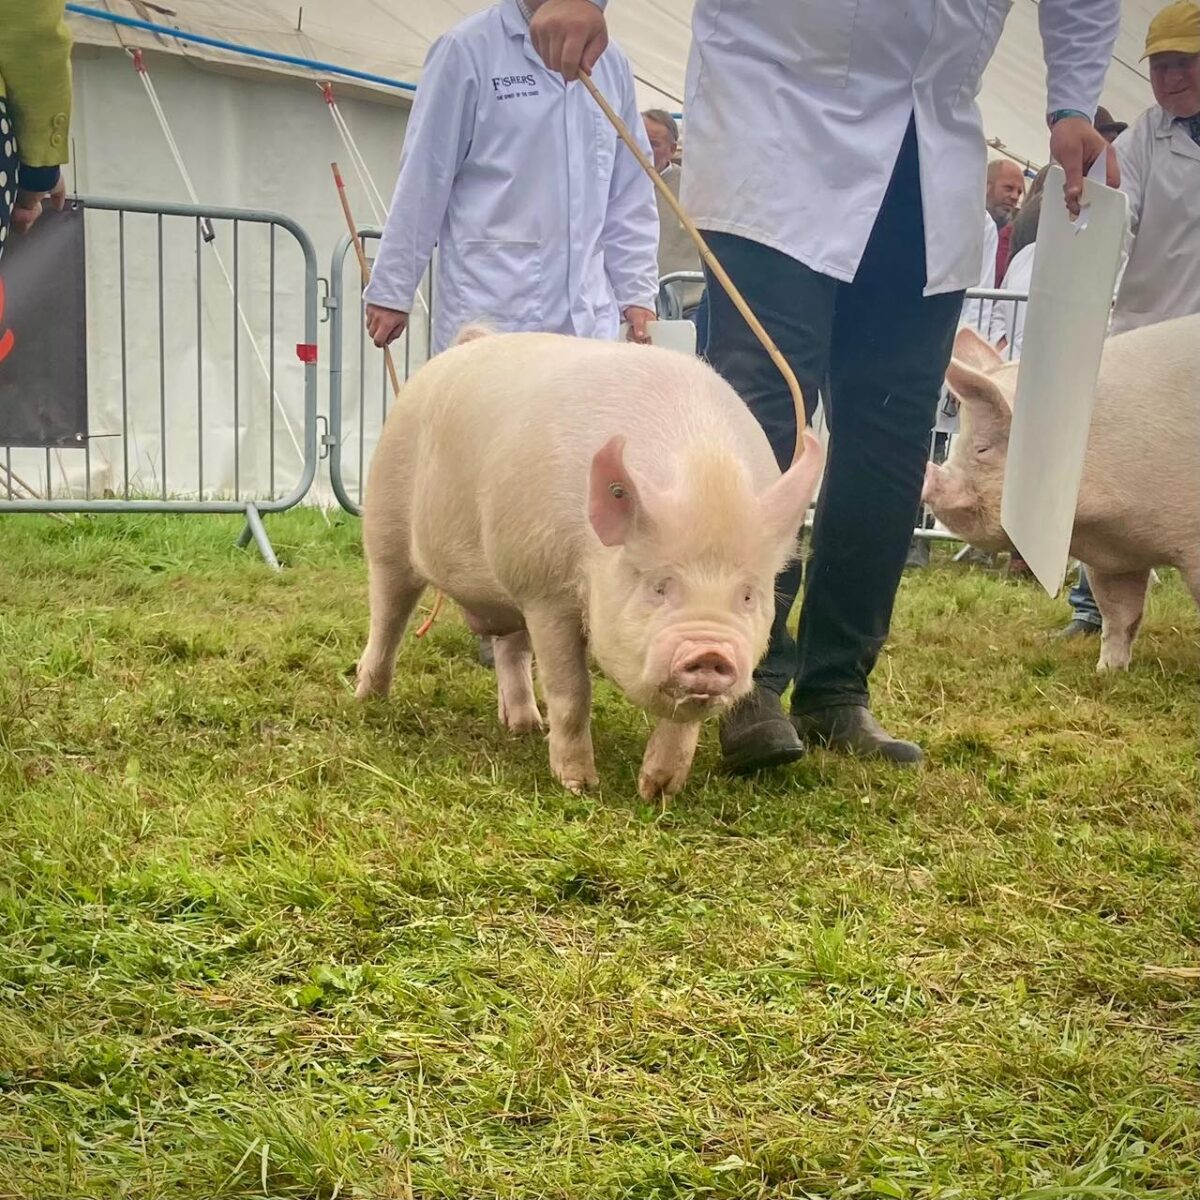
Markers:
(976, 351)
(616, 503)
(988, 414)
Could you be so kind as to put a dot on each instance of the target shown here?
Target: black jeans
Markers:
(877, 349)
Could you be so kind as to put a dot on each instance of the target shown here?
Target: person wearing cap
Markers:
(1159, 157)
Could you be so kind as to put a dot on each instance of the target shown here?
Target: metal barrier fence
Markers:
(201, 406)
(354, 428)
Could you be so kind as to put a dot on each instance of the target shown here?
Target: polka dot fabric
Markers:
(8, 173)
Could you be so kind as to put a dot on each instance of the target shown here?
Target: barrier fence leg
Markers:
(254, 529)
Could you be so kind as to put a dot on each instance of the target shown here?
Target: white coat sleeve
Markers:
(440, 127)
(630, 235)
(978, 313)
(1077, 42)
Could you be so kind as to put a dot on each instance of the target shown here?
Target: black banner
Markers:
(43, 333)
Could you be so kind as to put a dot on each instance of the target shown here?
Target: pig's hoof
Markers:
(521, 720)
(1112, 664)
(371, 684)
(577, 779)
(656, 783)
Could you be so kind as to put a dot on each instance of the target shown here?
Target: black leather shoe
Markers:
(852, 729)
(1078, 629)
(756, 735)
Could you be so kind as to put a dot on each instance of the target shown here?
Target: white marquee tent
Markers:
(255, 132)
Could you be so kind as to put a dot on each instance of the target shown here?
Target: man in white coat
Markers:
(1159, 156)
(542, 220)
(836, 159)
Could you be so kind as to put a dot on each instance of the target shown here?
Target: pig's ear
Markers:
(786, 501)
(989, 413)
(976, 351)
(615, 505)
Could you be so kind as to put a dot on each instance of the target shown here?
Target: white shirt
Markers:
(543, 220)
(1008, 317)
(795, 113)
(978, 313)
(1160, 173)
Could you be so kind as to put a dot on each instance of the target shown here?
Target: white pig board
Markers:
(673, 335)
(1070, 296)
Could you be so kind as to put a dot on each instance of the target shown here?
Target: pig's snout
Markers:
(702, 672)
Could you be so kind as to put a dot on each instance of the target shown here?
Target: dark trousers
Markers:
(877, 350)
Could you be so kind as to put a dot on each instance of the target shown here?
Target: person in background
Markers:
(35, 111)
(676, 250)
(1005, 191)
(1007, 327)
(1109, 129)
(543, 220)
(835, 158)
(1159, 156)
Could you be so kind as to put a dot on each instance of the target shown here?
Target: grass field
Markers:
(258, 940)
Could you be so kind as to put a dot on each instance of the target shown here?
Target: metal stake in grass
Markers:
(393, 377)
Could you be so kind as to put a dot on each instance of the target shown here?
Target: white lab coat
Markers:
(795, 111)
(543, 220)
(1008, 317)
(1160, 173)
(978, 313)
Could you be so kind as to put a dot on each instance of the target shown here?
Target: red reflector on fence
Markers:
(306, 352)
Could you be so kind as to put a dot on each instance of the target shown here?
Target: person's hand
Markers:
(569, 34)
(28, 205)
(638, 319)
(385, 325)
(1075, 144)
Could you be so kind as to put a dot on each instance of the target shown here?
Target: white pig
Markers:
(1139, 498)
(567, 492)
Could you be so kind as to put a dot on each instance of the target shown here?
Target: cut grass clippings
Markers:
(258, 940)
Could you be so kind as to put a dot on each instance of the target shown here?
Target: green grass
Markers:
(258, 940)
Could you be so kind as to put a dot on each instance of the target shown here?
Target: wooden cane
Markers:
(709, 258)
(365, 270)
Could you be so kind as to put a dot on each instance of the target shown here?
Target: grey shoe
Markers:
(1077, 628)
(852, 729)
(756, 735)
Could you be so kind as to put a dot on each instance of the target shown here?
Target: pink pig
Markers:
(572, 494)
(1139, 498)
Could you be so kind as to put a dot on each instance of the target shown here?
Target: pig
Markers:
(571, 494)
(1139, 498)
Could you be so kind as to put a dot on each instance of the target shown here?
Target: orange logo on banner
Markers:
(6, 338)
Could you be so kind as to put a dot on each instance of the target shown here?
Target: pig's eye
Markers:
(659, 588)
(748, 596)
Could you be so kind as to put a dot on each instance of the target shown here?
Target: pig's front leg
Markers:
(1121, 600)
(560, 648)
(668, 759)
(514, 683)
